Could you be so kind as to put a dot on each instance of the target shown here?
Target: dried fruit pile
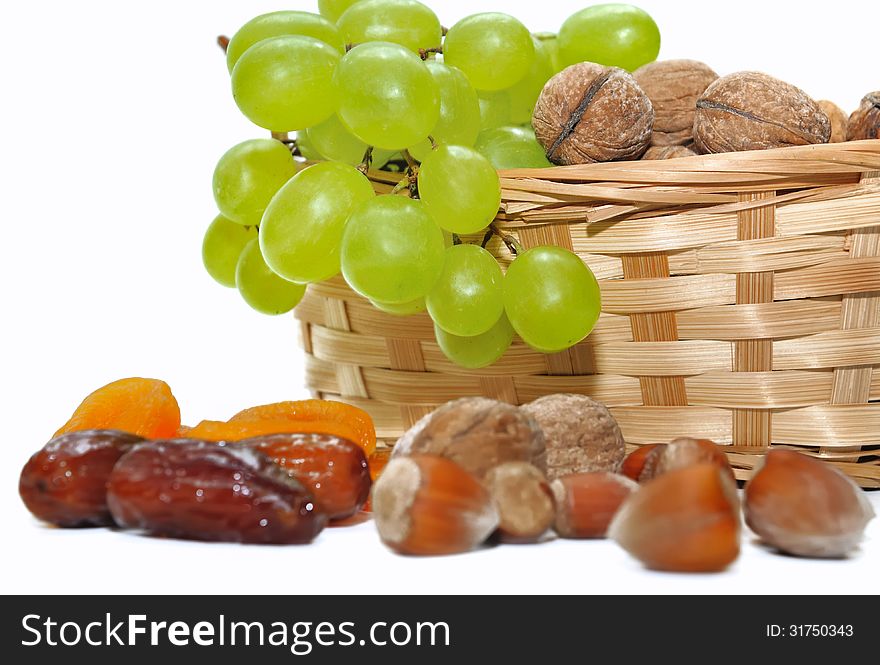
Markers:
(271, 474)
(476, 467)
(472, 469)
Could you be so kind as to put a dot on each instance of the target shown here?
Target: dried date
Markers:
(65, 483)
(198, 490)
(334, 470)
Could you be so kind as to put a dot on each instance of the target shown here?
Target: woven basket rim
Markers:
(863, 155)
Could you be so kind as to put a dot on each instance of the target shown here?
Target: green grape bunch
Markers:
(381, 135)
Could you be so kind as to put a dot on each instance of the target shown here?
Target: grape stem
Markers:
(434, 144)
(400, 186)
(512, 244)
(486, 238)
(292, 144)
(223, 42)
(425, 52)
(410, 160)
(410, 178)
(364, 166)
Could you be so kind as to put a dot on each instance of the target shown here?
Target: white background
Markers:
(113, 116)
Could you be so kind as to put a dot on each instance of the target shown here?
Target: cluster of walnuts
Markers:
(676, 108)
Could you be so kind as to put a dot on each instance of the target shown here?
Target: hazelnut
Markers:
(591, 113)
(478, 434)
(753, 111)
(839, 120)
(683, 521)
(685, 452)
(634, 463)
(523, 499)
(803, 506)
(657, 152)
(429, 505)
(673, 86)
(580, 434)
(865, 122)
(587, 502)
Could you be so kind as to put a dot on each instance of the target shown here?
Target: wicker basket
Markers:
(741, 303)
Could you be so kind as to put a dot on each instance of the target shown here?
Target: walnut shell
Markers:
(590, 113)
(668, 152)
(753, 111)
(673, 86)
(478, 434)
(580, 435)
(865, 123)
(838, 119)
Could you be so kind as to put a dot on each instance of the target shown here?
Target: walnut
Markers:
(668, 152)
(838, 119)
(753, 111)
(580, 435)
(590, 113)
(673, 86)
(865, 123)
(478, 434)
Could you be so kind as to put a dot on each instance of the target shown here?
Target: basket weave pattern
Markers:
(741, 303)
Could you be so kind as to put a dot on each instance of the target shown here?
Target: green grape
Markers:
(261, 288)
(467, 299)
(524, 94)
(306, 149)
(406, 309)
(551, 298)
(332, 140)
(551, 45)
(493, 50)
(284, 83)
(495, 109)
(392, 251)
(247, 177)
(615, 35)
(479, 351)
(460, 188)
(333, 9)
(512, 148)
(406, 22)
(277, 24)
(388, 98)
(302, 227)
(459, 121)
(222, 245)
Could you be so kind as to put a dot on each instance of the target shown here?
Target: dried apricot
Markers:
(65, 483)
(144, 407)
(310, 411)
(334, 470)
(377, 463)
(208, 491)
(212, 430)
